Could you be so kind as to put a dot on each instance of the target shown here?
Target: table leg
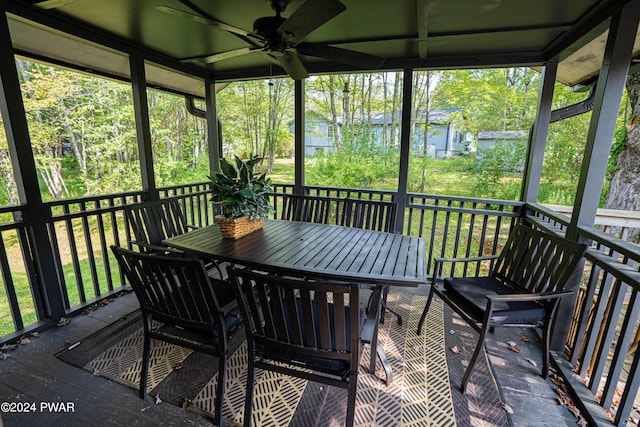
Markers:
(377, 352)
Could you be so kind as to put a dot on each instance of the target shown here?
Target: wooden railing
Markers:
(604, 335)
(601, 354)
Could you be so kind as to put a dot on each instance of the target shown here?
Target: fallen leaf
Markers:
(186, 403)
(7, 347)
(508, 409)
(35, 334)
(524, 338)
(514, 348)
(64, 321)
(24, 340)
(96, 373)
(177, 366)
(511, 343)
(532, 362)
(455, 350)
(157, 399)
(452, 332)
(556, 381)
(4, 356)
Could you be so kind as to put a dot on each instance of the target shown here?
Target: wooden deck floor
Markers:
(32, 375)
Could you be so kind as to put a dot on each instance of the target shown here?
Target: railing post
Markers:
(299, 137)
(26, 176)
(538, 136)
(405, 148)
(143, 132)
(214, 141)
(609, 90)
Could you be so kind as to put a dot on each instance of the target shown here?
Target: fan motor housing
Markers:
(268, 26)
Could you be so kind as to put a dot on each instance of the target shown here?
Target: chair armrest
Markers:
(229, 307)
(468, 259)
(545, 296)
(438, 262)
(157, 248)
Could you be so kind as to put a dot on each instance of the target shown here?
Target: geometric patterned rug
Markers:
(424, 392)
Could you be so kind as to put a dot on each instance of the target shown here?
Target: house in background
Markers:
(319, 135)
(445, 138)
(489, 139)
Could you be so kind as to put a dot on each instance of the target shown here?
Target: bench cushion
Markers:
(472, 292)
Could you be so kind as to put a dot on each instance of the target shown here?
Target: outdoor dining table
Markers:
(371, 258)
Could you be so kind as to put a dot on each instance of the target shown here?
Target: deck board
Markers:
(33, 374)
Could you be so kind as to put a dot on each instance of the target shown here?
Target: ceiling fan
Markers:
(281, 39)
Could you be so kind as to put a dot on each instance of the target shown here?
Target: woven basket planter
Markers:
(235, 228)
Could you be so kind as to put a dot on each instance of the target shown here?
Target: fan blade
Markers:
(344, 56)
(291, 64)
(208, 21)
(209, 59)
(309, 16)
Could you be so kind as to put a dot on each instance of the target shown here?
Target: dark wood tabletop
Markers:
(332, 251)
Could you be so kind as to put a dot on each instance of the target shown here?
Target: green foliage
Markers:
(617, 147)
(498, 170)
(239, 192)
(355, 163)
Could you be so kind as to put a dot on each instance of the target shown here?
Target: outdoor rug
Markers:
(424, 392)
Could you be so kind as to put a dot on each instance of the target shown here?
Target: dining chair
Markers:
(522, 287)
(309, 208)
(194, 310)
(301, 327)
(378, 215)
(153, 222)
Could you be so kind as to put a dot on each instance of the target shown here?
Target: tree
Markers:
(624, 190)
(254, 114)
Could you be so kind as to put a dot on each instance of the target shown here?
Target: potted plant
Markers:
(242, 197)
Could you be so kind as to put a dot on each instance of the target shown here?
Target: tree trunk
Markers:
(624, 191)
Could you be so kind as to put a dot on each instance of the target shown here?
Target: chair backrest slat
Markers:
(153, 222)
(376, 215)
(315, 316)
(170, 289)
(536, 261)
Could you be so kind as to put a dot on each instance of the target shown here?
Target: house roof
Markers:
(435, 116)
(503, 134)
(431, 34)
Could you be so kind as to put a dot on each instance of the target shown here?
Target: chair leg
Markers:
(222, 362)
(424, 312)
(386, 308)
(146, 356)
(546, 343)
(474, 357)
(351, 402)
(248, 398)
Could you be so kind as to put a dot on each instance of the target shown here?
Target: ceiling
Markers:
(99, 35)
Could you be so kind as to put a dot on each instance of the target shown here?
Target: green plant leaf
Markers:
(227, 168)
(245, 174)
